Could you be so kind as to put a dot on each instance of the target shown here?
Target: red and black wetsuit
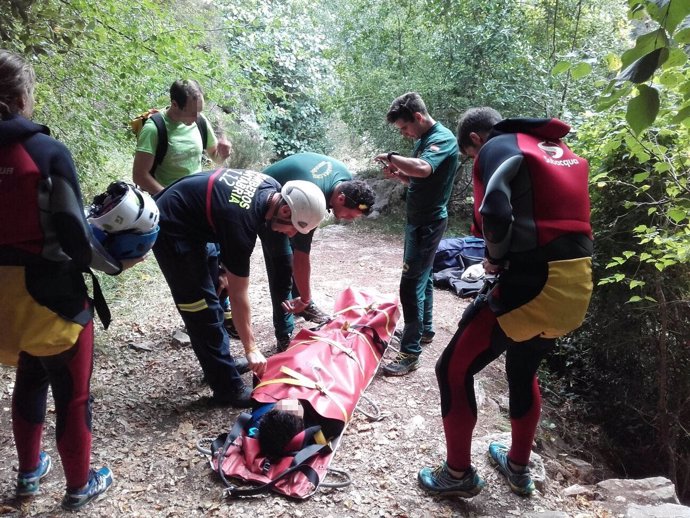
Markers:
(532, 209)
(45, 246)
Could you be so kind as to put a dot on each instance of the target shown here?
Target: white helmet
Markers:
(123, 207)
(307, 203)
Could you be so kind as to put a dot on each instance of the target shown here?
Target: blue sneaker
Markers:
(98, 484)
(520, 482)
(28, 483)
(439, 481)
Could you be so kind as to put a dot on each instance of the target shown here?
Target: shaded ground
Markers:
(149, 412)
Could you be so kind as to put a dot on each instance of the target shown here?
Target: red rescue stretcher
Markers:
(327, 369)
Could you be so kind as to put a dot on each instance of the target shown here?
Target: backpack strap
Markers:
(203, 129)
(162, 147)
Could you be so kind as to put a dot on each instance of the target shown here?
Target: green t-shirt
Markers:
(324, 171)
(184, 148)
(427, 198)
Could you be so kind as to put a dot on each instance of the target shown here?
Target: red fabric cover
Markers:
(342, 358)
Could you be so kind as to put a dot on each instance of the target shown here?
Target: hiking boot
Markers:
(98, 484)
(520, 481)
(240, 399)
(402, 364)
(241, 364)
(439, 481)
(427, 338)
(313, 313)
(283, 342)
(29, 482)
(229, 326)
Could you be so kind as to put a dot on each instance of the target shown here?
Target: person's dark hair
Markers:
(405, 106)
(358, 195)
(476, 120)
(184, 89)
(276, 429)
(17, 78)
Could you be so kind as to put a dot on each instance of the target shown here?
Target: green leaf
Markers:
(643, 69)
(682, 36)
(676, 58)
(612, 61)
(643, 109)
(677, 215)
(640, 177)
(581, 70)
(668, 13)
(560, 67)
(612, 94)
(681, 115)
(634, 298)
(644, 45)
(636, 284)
(671, 78)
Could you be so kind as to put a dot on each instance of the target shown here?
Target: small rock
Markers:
(181, 338)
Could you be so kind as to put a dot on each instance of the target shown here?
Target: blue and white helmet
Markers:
(124, 219)
(124, 207)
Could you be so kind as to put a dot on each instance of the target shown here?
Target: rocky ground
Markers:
(149, 412)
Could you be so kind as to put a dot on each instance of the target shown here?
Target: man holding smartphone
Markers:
(429, 175)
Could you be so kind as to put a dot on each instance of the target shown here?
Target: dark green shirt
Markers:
(427, 198)
(321, 170)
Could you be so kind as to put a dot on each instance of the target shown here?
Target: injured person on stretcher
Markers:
(278, 427)
(305, 399)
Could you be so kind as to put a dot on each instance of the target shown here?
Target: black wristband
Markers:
(390, 155)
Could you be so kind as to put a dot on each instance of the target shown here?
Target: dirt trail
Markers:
(149, 415)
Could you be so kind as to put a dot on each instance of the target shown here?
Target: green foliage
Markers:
(630, 360)
(462, 54)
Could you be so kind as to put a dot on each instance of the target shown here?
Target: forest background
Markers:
(285, 76)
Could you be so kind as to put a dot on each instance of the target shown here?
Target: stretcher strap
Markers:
(298, 464)
(367, 340)
(224, 441)
(366, 309)
(301, 380)
(345, 350)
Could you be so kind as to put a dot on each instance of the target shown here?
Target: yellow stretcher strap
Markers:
(299, 379)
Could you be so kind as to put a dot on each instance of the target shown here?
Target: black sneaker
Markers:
(427, 338)
(241, 364)
(312, 313)
(283, 342)
(402, 364)
(241, 399)
(229, 326)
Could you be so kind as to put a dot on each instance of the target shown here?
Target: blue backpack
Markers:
(458, 252)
